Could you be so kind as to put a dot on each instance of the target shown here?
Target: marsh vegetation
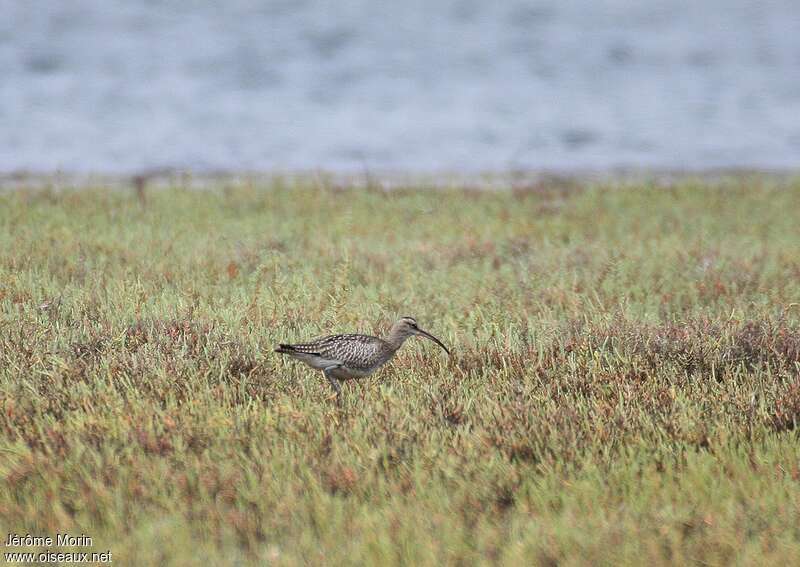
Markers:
(624, 385)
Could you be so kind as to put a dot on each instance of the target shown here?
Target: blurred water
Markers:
(117, 86)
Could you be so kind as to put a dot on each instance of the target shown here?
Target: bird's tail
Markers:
(285, 349)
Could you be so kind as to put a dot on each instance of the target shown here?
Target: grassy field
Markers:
(624, 386)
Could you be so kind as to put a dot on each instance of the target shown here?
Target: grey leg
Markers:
(333, 381)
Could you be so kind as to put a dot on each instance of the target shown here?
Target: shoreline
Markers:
(381, 180)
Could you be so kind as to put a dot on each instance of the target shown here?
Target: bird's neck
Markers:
(396, 338)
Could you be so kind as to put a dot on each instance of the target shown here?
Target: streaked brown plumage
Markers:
(342, 357)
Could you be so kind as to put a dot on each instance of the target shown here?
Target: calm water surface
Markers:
(119, 86)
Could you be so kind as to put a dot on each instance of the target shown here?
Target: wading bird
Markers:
(342, 357)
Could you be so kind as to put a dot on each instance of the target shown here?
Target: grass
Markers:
(625, 385)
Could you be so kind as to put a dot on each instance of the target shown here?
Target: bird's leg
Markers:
(332, 379)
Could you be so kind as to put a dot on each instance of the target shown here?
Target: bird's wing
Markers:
(303, 348)
(359, 351)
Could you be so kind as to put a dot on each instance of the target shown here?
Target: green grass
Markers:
(625, 385)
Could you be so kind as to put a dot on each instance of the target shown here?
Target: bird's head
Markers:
(407, 327)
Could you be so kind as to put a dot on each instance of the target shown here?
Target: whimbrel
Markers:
(342, 357)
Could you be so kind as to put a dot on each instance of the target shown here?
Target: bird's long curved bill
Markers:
(427, 335)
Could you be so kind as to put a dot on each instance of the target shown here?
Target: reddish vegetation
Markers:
(624, 386)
